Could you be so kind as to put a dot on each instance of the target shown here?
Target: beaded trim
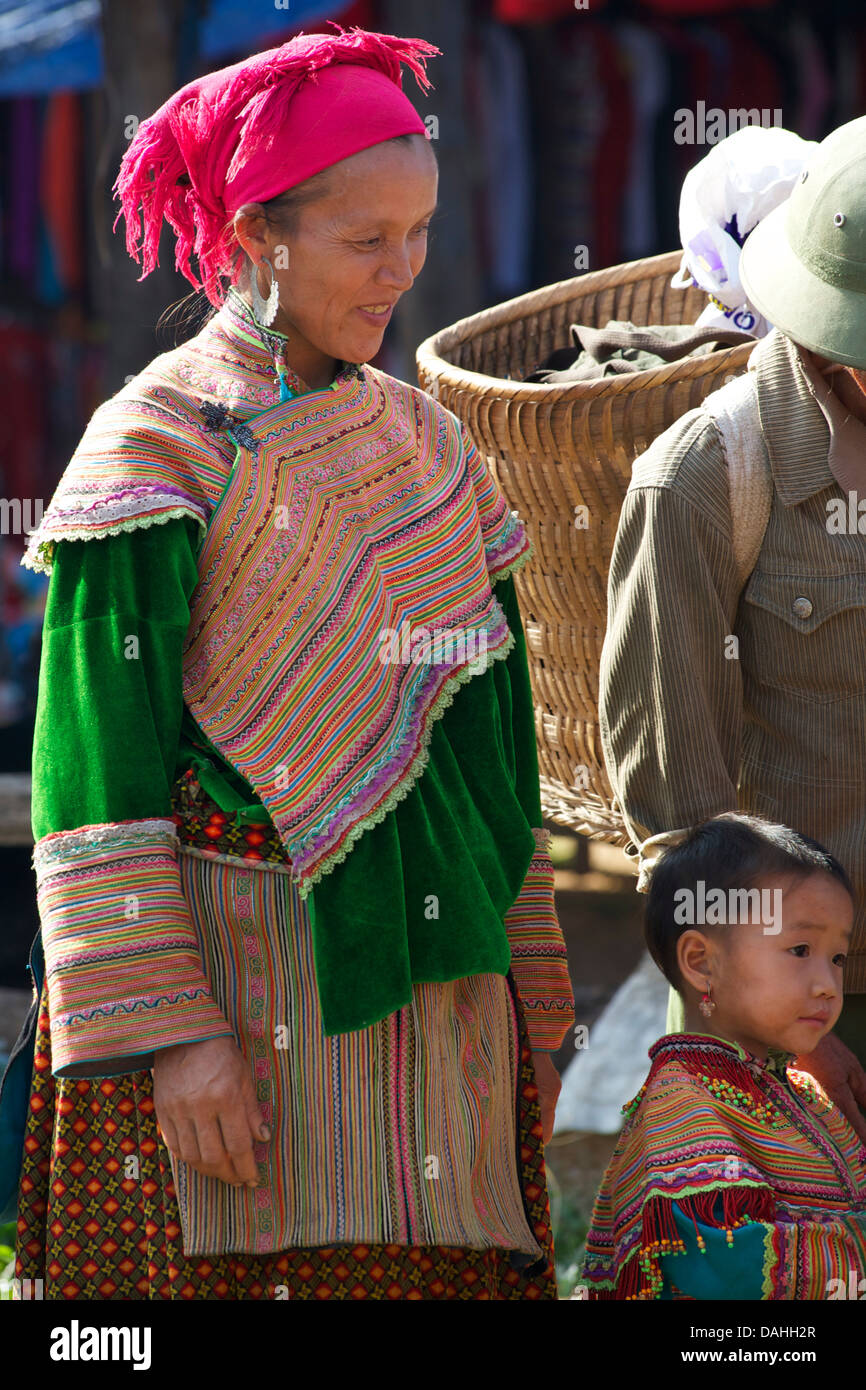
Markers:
(64, 845)
(765, 1113)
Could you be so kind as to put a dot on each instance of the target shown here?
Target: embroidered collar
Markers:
(265, 345)
(777, 1061)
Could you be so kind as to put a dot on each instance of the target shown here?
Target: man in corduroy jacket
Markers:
(717, 697)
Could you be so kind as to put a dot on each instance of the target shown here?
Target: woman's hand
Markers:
(207, 1109)
(549, 1087)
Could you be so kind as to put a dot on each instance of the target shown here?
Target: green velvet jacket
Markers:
(113, 735)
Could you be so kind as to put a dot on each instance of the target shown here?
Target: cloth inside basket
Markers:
(622, 346)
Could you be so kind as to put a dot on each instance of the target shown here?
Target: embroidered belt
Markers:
(202, 825)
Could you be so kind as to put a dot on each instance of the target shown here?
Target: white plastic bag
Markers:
(742, 179)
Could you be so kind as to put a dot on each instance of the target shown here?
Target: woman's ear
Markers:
(696, 959)
(250, 227)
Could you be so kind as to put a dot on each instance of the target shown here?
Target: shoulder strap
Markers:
(734, 407)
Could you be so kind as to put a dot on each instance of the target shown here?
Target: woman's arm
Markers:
(539, 961)
(123, 969)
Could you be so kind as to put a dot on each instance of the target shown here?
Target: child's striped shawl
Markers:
(713, 1122)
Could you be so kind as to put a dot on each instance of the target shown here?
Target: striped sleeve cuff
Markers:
(539, 962)
(122, 964)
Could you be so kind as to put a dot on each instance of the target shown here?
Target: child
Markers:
(735, 1177)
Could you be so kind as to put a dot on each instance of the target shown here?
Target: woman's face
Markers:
(352, 254)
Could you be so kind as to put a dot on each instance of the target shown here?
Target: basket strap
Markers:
(734, 408)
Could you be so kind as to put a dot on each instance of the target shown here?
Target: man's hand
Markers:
(207, 1109)
(841, 1075)
(549, 1087)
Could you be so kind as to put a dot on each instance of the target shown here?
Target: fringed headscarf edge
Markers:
(155, 184)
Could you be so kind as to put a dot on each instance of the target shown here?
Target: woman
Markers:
(303, 968)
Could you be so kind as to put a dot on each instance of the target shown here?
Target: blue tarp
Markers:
(53, 45)
(233, 25)
(49, 44)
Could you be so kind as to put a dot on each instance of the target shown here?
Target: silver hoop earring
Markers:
(264, 310)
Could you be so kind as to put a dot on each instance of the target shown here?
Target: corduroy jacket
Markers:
(715, 698)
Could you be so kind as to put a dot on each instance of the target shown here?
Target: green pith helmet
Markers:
(804, 266)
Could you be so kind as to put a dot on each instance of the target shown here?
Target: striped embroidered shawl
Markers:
(344, 588)
(711, 1122)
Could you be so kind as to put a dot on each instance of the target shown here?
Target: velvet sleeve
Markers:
(123, 970)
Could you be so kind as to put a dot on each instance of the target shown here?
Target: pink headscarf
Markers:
(251, 131)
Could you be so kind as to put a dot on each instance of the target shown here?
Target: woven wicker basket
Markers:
(554, 449)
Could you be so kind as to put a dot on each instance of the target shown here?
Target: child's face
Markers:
(783, 988)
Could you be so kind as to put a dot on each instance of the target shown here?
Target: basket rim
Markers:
(433, 364)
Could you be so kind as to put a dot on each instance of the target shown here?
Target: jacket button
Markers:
(802, 607)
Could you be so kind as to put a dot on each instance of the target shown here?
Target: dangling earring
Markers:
(264, 310)
(707, 1004)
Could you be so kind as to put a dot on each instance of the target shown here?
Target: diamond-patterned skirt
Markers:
(98, 1215)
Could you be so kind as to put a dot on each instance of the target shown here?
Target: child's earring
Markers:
(707, 1004)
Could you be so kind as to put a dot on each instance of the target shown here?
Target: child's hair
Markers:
(730, 851)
